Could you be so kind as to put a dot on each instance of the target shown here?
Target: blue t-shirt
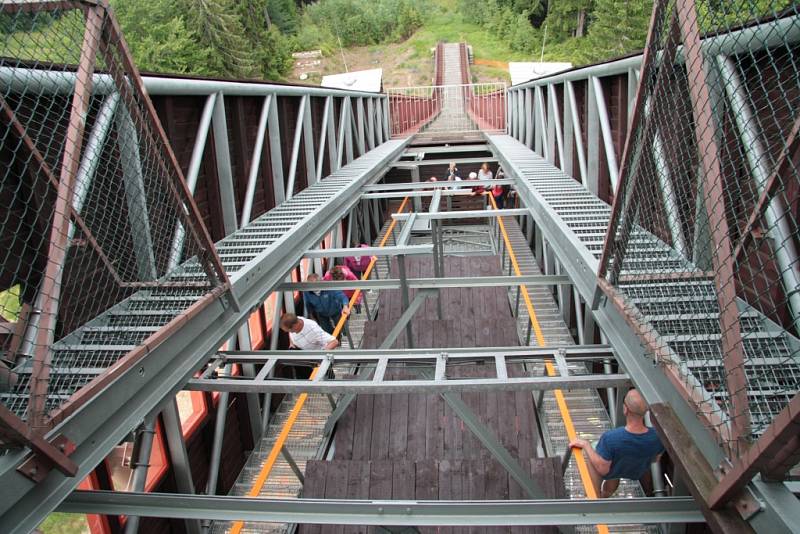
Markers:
(630, 454)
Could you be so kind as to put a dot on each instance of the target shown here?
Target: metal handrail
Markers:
(580, 460)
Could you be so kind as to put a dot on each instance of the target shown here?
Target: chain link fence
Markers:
(703, 245)
(94, 205)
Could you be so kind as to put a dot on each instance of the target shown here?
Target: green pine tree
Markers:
(618, 28)
(220, 28)
(270, 48)
(160, 39)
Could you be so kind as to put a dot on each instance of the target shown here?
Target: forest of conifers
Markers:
(254, 39)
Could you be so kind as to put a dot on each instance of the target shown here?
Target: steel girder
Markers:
(161, 370)
(432, 283)
(557, 512)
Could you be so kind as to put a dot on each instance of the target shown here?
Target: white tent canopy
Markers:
(525, 71)
(362, 80)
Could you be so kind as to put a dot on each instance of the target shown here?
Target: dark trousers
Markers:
(500, 201)
(328, 322)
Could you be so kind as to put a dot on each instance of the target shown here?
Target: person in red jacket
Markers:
(340, 273)
(499, 192)
(358, 264)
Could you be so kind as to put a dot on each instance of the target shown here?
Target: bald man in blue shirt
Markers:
(624, 452)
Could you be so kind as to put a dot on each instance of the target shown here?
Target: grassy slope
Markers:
(58, 523)
(409, 63)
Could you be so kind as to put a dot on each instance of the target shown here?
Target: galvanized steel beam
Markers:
(431, 283)
(423, 387)
(412, 513)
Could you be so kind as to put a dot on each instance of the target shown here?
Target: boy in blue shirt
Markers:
(624, 452)
(325, 306)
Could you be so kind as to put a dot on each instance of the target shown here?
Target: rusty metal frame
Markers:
(648, 59)
(101, 35)
(723, 259)
(684, 17)
(210, 260)
(630, 202)
(14, 430)
(57, 252)
(775, 452)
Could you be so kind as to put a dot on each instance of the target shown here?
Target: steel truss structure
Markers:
(566, 223)
(377, 382)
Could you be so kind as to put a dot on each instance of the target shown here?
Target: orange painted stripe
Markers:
(276, 450)
(583, 469)
(263, 474)
(373, 261)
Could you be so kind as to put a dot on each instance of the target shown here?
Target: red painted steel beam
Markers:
(723, 259)
(57, 251)
(775, 452)
(15, 431)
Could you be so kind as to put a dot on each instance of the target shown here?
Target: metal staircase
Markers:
(671, 309)
(89, 351)
(256, 258)
(589, 413)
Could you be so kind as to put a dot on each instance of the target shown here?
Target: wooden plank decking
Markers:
(414, 446)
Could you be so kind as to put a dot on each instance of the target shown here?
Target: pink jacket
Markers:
(358, 264)
(348, 275)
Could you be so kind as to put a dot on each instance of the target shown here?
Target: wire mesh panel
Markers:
(710, 170)
(447, 108)
(95, 205)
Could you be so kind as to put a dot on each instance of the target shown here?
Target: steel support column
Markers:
(359, 116)
(576, 128)
(298, 138)
(230, 225)
(401, 271)
(605, 128)
(142, 463)
(179, 459)
(135, 195)
(308, 143)
(275, 154)
(255, 161)
(555, 117)
(593, 145)
(216, 444)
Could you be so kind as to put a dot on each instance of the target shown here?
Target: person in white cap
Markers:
(478, 189)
